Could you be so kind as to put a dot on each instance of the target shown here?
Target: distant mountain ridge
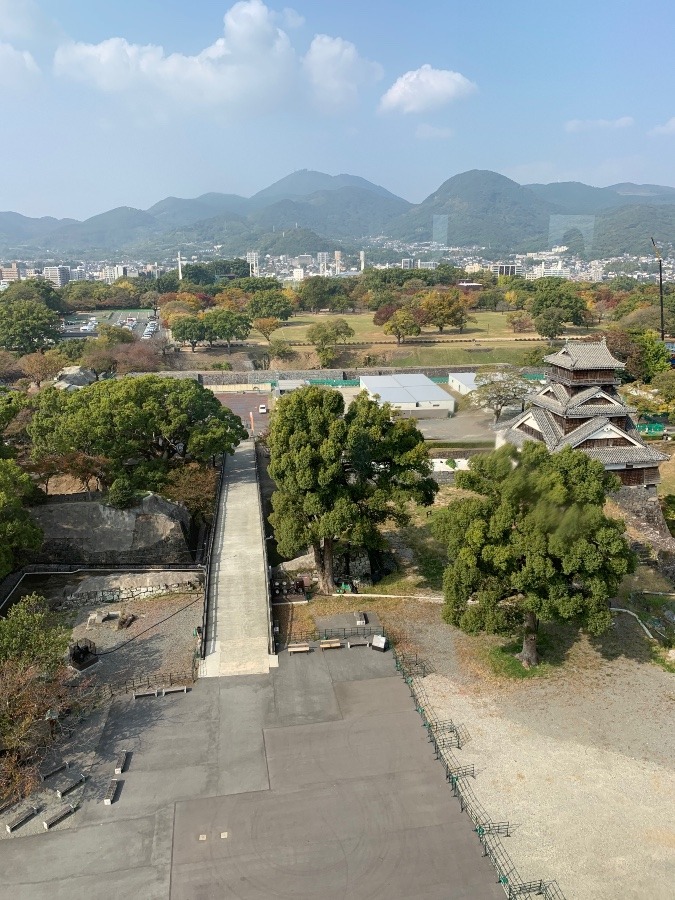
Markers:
(478, 207)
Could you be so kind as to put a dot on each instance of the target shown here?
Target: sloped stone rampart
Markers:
(91, 532)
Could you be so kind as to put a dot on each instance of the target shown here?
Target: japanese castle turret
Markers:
(580, 408)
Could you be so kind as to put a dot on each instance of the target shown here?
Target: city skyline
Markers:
(124, 104)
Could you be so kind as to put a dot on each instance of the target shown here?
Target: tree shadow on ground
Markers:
(623, 639)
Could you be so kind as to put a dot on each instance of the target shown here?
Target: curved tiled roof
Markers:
(584, 355)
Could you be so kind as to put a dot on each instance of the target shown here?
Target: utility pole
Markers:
(658, 256)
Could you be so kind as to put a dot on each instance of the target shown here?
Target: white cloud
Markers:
(426, 132)
(336, 71)
(19, 19)
(424, 89)
(576, 125)
(250, 67)
(292, 18)
(667, 127)
(17, 68)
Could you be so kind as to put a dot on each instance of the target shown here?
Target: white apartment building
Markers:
(509, 269)
(58, 275)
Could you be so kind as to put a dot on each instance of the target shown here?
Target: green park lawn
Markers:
(488, 326)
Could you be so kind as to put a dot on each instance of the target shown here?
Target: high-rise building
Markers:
(58, 275)
(407, 263)
(362, 259)
(252, 259)
(10, 272)
(338, 261)
(507, 269)
(322, 262)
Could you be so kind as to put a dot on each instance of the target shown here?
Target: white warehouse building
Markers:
(462, 382)
(415, 396)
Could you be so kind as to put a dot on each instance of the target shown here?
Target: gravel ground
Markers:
(157, 643)
(581, 762)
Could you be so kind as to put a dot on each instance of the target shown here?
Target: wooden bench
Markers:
(22, 818)
(175, 689)
(357, 642)
(62, 792)
(121, 762)
(149, 693)
(55, 771)
(59, 816)
(298, 648)
(111, 790)
(330, 644)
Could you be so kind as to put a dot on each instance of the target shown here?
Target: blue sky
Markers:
(123, 102)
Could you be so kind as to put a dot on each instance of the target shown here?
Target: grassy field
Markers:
(489, 326)
(457, 355)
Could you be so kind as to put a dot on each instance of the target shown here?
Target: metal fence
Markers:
(270, 636)
(326, 633)
(446, 736)
(207, 557)
(148, 682)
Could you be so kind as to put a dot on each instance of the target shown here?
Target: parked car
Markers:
(262, 408)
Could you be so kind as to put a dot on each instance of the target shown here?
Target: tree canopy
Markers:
(27, 326)
(497, 388)
(534, 543)
(402, 324)
(17, 529)
(226, 325)
(341, 475)
(132, 420)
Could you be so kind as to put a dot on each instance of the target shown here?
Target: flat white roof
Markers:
(468, 379)
(405, 389)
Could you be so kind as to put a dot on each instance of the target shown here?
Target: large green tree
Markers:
(28, 637)
(326, 336)
(27, 326)
(133, 420)
(401, 324)
(534, 543)
(341, 475)
(269, 304)
(17, 529)
(441, 308)
(560, 295)
(34, 289)
(188, 330)
(226, 325)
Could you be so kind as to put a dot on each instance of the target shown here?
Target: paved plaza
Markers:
(313, 781)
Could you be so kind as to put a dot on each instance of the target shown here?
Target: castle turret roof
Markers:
(584, 355)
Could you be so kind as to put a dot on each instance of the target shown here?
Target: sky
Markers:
(110, 103)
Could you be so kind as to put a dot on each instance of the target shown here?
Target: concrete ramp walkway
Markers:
(238, 614)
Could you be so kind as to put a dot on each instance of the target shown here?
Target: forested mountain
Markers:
(480, 208)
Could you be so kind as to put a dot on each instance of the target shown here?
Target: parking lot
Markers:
(246, 404)
(74, 323)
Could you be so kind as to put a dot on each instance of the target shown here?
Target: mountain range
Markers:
(478, 207)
